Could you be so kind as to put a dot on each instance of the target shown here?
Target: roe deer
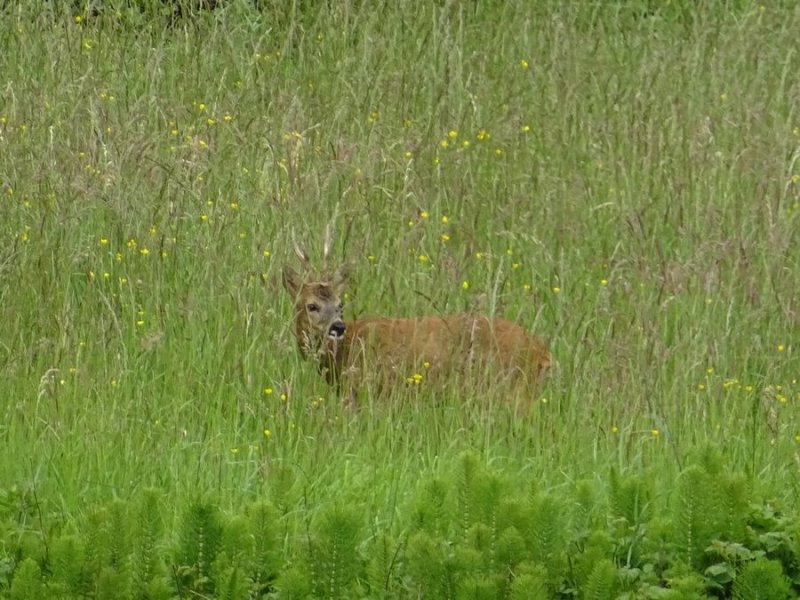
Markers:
(484, 351)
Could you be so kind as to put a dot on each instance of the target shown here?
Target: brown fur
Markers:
(480, 351)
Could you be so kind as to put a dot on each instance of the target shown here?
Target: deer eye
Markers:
(312, 308)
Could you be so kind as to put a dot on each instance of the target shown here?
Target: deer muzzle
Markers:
(336, 330)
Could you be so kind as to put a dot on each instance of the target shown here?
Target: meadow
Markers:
(622, 178)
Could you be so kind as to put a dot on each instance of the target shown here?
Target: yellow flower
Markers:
(267, 433)
(268, 391)
(423, 258)
(144, 251)
(614, 429)
(201, 107)
(445, 237)
(465, 285)
(266, 253)
(556, 290)
(104, 241)
(444, 143)
(604, 282)
(211, 121)
(234, 451)
(525, 128)
(371, 258)
(523, 64)
(445, 220)
(655, 432)
(424, 214)
(483, 135)
(452, 134)
(781, 347)
(408, 154)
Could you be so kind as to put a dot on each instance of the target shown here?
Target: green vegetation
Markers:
(623, 178)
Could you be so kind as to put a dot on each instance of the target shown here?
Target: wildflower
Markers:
(78, 19)
(268, 391)
(234, 451)
(781, 347)
(444, 143)
(284, 397)
(423, 258)
(266, 253)
(371, 258)
(415, 379)
(267, 433)
(556, 290)
(655, 432)
(445, 220)
(201, 107)
(445, 237)
(211, 121)
(144, 251)
(479, 255)
(701, 387)
(153, 230)
(483, 135)
(204, 217)
(426, 364)
(614, 429)
(131, 243)
(424, 214)
(452, 134)
(523, 64)
(408, 154)
(723, 97)
(604, 282)
(499, 152)
(526, 287)
(227, 117)
(525, 128)
(465, 285)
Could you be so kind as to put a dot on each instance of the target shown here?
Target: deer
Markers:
(481, 351)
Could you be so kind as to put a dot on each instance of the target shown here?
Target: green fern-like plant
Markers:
(383, 568)
(695, 514)
(68, 565)
(263, 525)
(432, 509)
(200, 539)
(147, 576)
(629, 498)
(108, 547)
(27, 583)
(530, 584)
(603, 582)
(546, 532)
(762, 579)
(431, 566)
(335, 564)
(467, 486)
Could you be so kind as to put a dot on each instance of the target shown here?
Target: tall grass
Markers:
(621, 178)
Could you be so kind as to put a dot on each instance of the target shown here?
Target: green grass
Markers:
(621, 178)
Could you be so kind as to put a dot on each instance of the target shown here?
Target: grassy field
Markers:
(623, 178)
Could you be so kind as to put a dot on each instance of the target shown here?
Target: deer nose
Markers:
(337, 329)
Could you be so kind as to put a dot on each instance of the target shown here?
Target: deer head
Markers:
(318, 308)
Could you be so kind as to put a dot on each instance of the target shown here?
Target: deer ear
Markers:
(291, 281)
(341, 277)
